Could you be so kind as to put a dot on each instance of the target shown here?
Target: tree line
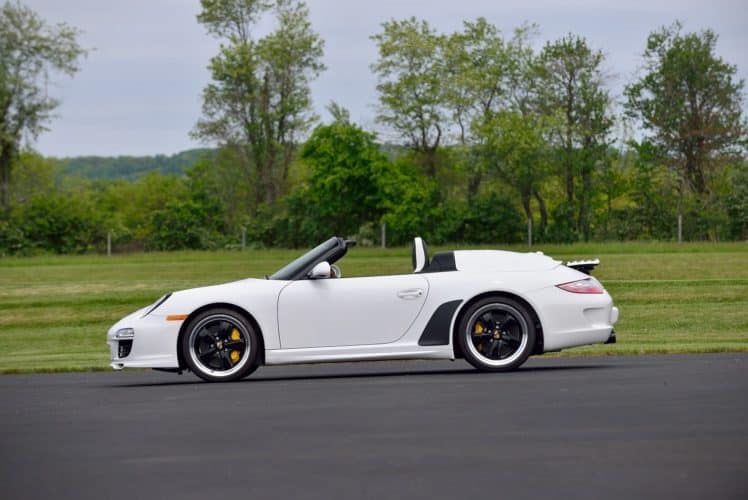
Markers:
(497, 140)
(130, 167)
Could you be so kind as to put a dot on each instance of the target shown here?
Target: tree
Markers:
(737, 202)
(54, 222)
(517, 149)
(653, 193)
(412, 205)
(32, 175)
(259, 101)
(689, 102)
(613, 182)
(346, 166)
(490, 90)
(411, 76)
(128, 206)
(571, 87)
(31, 51)
(478, 63)
(182, 224)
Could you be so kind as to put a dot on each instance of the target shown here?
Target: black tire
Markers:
(496, 334)
(211, 342)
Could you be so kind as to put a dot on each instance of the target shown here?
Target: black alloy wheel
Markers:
(220, 345)
(496, 334)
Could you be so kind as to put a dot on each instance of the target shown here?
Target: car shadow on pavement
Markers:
(258, 379)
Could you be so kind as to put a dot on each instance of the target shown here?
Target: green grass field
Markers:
(54, 311)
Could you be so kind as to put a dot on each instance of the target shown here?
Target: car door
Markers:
(349, 311)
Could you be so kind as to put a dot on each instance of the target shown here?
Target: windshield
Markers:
(312, 256)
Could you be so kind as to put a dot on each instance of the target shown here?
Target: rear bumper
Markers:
(611, 338)
(571, 320)
(613, 321)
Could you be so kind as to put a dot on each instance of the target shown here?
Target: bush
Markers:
(489, 218)
(55, 222)
(737, 203)
(562, 228)
(412, 205)
(182, 225)
(290, 223)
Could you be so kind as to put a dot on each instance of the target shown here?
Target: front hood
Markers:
(499, 260)
(222, 290)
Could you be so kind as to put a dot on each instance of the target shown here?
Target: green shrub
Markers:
(56, 222)
(182, 225)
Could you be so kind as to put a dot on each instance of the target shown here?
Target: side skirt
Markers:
(379, 352)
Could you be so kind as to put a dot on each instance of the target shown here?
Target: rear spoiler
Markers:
(586, 266)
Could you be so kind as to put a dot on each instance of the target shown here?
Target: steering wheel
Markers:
(335, 272)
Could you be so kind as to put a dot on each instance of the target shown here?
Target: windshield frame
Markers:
(331, 251)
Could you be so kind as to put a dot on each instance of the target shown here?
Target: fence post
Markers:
(109, 244)
(244, 237)
(384, 235)
(680, 228)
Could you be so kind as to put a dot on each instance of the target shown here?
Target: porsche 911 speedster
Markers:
(493, 308)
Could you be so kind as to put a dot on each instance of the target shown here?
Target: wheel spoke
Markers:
(226, 360)
(502, 345)
(234, 343)
(492, 348)
(509, 321)
(488, 320)
(511, 341)
(495, 348)
(210, 352)
(224, 329)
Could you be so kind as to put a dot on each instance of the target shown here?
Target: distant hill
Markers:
(131, 167)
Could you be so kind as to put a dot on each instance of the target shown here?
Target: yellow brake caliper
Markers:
(235, 355)
(478, 329)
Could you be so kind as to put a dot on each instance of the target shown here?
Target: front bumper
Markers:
(154, 344)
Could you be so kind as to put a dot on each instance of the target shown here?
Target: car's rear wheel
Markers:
(496, 334)
(220, 345)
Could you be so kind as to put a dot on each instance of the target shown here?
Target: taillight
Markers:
(587, 285)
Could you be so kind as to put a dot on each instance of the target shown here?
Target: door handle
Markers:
(411, 293)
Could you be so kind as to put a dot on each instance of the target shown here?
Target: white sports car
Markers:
(493, 308)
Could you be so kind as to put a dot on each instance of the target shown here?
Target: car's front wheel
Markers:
(496, 334)
(220, 345)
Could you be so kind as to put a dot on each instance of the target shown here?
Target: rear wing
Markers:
(586, 266)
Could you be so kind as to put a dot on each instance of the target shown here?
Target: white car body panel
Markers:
(375, 318)
(255, 295)
(349, 311)
(500, 260)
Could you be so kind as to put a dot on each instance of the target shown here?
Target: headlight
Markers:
(124, 333)
(157, 304)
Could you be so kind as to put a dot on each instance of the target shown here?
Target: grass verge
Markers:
(55, 310)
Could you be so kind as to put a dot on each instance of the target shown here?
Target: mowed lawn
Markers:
(55, 310)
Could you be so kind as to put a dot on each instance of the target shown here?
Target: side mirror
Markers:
(320, 271)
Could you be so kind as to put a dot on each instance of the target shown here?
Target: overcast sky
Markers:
(138, 91)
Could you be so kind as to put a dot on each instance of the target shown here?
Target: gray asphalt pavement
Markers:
(597, 428)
